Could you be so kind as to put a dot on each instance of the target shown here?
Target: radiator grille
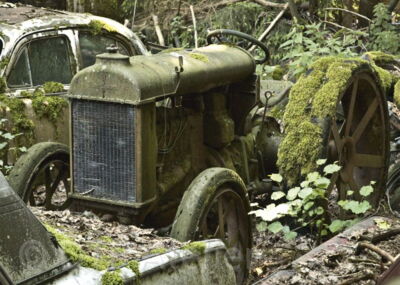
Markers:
(104, 150)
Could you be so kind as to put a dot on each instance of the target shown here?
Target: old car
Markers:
(43, 47)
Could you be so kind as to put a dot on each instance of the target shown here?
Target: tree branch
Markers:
(269, 4)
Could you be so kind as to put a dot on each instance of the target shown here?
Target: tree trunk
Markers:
(367, 9)
(293, 10)
(393, 4)
(347, 17)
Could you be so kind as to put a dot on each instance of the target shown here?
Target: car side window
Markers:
(41, 61)
(92, 45)
(20, 75)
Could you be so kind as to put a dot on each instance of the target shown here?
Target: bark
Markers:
(392, 5)
(347, 17)
(367, 9)
(294, 11)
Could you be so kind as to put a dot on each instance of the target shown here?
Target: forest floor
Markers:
(271, 253)
(346, 261)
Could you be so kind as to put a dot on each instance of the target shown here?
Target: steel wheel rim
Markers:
(227, 209)
(53, 176)
(361, 146)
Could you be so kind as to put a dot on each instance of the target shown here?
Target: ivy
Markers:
(306, 205)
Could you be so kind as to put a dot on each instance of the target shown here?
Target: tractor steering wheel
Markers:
(254, 41)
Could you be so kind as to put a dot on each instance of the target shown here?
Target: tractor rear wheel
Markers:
(358, 138)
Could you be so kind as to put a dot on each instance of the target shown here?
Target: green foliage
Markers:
(6, 139)
(303, 44)
(382, 34)
(306, 204)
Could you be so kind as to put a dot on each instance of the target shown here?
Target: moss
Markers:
(172, 50)
(4, 62)
(199, 56)
(106, 239)
(112, 278)
(197, 247)
(77, 254)
(158, 250)
(312, 99)
(278, 72)
(96, 26)
(3, 85)
(134, 266)
(396, 95)
(48, 107)
(53, 87)
(380, 58)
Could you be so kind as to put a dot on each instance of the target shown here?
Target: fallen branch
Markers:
(385, 235)
(196, 44)
(271, 26)
(350, 12)
(376, 249)
(341, 27)
(158, 30)
(362, 275)
(269, 4)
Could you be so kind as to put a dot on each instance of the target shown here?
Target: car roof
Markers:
(19, 20)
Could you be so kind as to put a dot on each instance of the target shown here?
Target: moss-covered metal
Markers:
(196, 247)
(312, 99)
(112, 278)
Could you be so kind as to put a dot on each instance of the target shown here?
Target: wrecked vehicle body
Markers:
(41, 50)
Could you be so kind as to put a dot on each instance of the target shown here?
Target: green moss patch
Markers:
(199, 56)
(96, 26)
(112, 278)
(396, 94)
(77, 254)
(313, 99)
(158, 251)
(197, 247)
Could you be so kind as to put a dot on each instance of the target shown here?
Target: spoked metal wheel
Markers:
(226, 218)
(359, 138)
(41, 176)
(50, 185)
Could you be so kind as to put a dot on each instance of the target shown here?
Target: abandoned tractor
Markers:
(184, 137)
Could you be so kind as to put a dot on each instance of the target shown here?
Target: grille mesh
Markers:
(104, 149)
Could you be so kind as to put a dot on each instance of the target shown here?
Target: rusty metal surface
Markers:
(392, 275)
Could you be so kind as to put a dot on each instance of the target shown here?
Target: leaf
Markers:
(8, 136)
(382, 224)
(261, 226)
(321, 161)
(350, 192)
(305, 192)
(322, 182)
(337, 226)
(275, 227)
(277, 195)
(276, 177)
(308, 205)
(3, 145)
(304, 184)
(292, 193)
(313, 176)
(366, 190)
(23, 149)
(290, 235)
(320, 211)
(331, 168)
(357, 207)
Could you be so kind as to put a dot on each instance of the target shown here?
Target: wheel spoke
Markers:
(334, 179)
(221, 218)
(365, 120)
(336, 136)
(350, 111)
(369, 160)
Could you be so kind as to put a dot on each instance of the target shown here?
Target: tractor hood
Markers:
(28, 253)
(140, 79)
